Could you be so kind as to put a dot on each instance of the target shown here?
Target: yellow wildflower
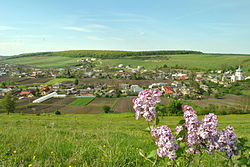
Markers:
(69, 165)
(34, 157)
(14, 152)
(104, 145)
(75, 159)
(30, 165)
(249, 153)
(52, 152)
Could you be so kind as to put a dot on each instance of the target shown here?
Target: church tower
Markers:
(239, 74)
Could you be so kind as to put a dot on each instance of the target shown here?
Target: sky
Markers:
(210, 26)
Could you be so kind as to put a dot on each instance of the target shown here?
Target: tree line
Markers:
(106, 54)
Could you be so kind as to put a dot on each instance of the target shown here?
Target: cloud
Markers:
(98, 26)
(81, 29)
(9, 44)
(94, 38)
(117, 38)
(142, 33)
(6, 28)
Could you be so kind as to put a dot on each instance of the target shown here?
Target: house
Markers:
(45, 90)
(124, 86)
(98, 86)
(136, 88)
(28, 94)
(204, 87)
(156, 85)
(84, 92)
(176, 84)
(167, 89)
(198, 79)
(57, 85)
(140, 67)
(110, 92)
(120, 65)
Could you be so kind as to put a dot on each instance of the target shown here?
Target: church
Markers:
(238, 75)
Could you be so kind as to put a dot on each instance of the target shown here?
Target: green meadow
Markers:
(89, 140)
(187, 61)
(42, 61)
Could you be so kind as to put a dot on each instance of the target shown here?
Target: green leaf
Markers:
(152, 154)
(181, 122)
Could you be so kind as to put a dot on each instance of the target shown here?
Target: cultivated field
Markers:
(227, 100)
(188, 61)
(44, 62)
(82, 101)
(88, 140)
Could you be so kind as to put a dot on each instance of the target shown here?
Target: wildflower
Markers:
(75, 159)
(104, 145)
(34, 157)
(69, 165)
(105, 155)
(52, 152)
(14, 152)
(30, 165)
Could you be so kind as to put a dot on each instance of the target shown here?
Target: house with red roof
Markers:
(167, 89)
(27, 94)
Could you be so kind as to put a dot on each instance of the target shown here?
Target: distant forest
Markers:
(106, 54)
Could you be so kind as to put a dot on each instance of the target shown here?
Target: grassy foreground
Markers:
(88, 140)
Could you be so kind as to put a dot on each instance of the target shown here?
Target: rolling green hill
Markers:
(191, 60)
(106, 53)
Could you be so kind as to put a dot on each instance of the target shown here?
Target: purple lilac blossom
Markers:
(144, 104)
(166, 142)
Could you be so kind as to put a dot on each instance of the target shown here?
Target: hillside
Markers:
(104, 54)
(89, 140)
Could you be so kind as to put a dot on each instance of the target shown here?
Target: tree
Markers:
(9, 103)
(76, 81)
(174, 107)
(38, 92)
(106, 108)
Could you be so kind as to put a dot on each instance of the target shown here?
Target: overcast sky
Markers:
(221, 26)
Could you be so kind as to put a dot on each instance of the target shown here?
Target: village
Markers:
(173, 83)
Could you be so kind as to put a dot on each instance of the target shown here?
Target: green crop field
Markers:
(88, 140)
(188, 61)
(44, 62)
(82, 101)
(58, 80)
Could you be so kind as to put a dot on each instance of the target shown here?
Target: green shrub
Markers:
(106, 108)
(57, 112)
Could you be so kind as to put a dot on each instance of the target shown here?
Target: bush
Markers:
(38, 114)
(57, 112)
(106, 108)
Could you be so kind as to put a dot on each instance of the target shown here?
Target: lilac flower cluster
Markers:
(166, 142)
(208, 131)
(205, 133)
(227, 141)
(191, 125)
(144, 104)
